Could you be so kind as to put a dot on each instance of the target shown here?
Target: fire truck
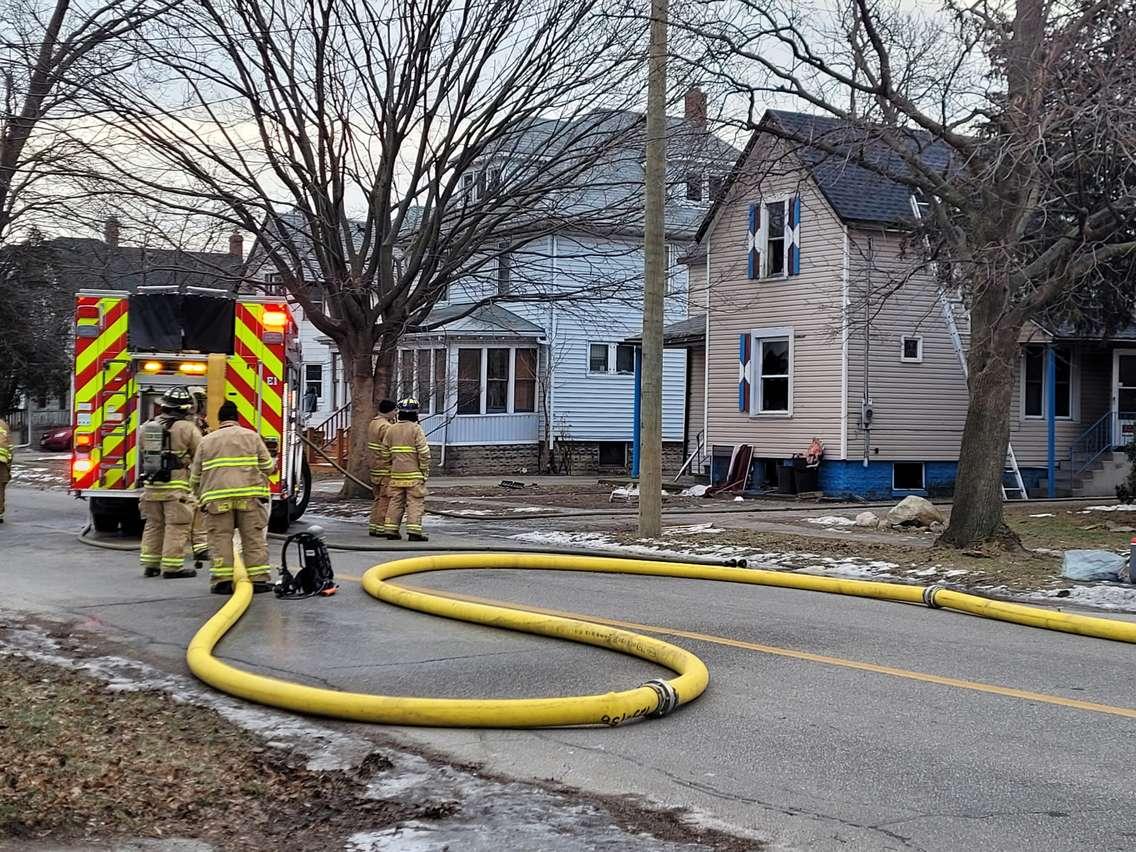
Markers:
(130, 348)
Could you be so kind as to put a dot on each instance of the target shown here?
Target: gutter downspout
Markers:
(865, 422)
(1051, 420)
(844, 336)
(706, 359)
(636, 425)
(552, 337)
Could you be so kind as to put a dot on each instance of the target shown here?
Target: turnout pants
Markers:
(199, 535)
(5, 478)
(381, 489)
(250, 519)
(411, 499)
(165, 533)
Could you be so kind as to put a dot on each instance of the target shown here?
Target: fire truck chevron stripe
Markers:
(100, 367)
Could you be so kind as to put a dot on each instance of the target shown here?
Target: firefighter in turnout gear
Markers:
(167, 503)
(409, 456)
(230, 476)
(198, 535)
(380, 466)
(5, 464)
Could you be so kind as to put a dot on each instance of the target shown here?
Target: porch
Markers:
(1075, 413)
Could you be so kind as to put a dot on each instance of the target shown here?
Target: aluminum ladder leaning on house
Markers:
(1016, 490)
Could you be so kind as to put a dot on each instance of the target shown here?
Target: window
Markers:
(425, 391)
(273, 284)
(694, 186)
(313, 379)
(775, 238)
(625, 358)
(1033, 382)
(469, 186)
(524, 380)
(504, 273)
(717, 183)
(774, 365)
(440, 381)
(496, 381)
(406, 373)
(493, 178)
(911, 349)
(907, 476)
(612, 454)
(598, 358)
(469, 381)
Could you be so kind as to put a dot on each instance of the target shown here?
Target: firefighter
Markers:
(198, 535)
(380, 465)
(167, 504)
(409, 455)
(5, 464)
(230, 476)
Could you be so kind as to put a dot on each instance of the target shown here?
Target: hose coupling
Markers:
(929, 595)
(668, 698)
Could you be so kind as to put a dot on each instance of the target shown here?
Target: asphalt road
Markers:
(917, 752)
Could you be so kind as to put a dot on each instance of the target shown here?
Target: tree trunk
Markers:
(976, 517)
(384, 374)
(362, 412)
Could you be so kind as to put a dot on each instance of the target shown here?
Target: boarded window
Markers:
(496, 381)
(524, 381)
(469, 381)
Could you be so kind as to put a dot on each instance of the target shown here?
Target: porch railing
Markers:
(1093, 443)
(334, 433)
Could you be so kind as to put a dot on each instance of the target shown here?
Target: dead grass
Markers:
(80, 763)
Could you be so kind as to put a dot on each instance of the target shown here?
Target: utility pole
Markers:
(654, 280)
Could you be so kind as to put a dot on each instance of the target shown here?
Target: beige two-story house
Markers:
(824, 320)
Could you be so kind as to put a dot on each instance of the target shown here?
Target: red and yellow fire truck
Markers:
(130, 348)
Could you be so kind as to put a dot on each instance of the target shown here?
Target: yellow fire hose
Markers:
(654, 698)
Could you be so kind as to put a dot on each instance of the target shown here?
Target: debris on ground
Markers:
(695, 491)
(832, 521)
(913, 511)
(624, 492)
(867, 519)
(513, 484)
(1091, 565)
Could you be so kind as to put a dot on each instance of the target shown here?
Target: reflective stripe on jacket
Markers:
(380, 459)
(409, 453)
(232, 463)
(185, 438)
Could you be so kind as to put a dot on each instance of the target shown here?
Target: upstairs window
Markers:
(597, 358)
(504, 273)
(694, 186)
(911, 349)
(774, 238)
(716, 184)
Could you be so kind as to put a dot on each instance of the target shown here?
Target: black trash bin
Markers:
(805, 478)
(785, 479)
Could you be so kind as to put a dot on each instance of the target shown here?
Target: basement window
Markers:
(907, 476)
(612, 454)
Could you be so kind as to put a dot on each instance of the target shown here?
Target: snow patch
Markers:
(1119, 507)
(1102, 596)
(832, 521)
(1044, 515)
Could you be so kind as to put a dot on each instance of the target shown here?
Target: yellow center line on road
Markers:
(957, 683)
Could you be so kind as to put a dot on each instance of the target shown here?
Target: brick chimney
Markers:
(111, 231)
(237, 244)
(695, 108)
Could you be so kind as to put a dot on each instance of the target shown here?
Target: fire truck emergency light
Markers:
(274, 319)
(193, 368)
(152, 366)
(81, 466)
(83, 440)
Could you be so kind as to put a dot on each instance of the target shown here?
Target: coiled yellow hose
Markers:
(654, 698)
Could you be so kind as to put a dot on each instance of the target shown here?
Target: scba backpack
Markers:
(314, 576)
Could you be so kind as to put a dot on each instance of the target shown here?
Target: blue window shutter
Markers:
(753, 253)
(794, 235)
(745, 370)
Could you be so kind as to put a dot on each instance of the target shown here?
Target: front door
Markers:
(1124, 395)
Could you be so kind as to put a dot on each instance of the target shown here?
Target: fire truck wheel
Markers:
(299, 503)
(104, 523)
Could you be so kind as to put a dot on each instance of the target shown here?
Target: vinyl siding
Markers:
(810, 303)
(920, 408)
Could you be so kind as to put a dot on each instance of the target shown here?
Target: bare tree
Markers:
(382, 151)
(1014, 123)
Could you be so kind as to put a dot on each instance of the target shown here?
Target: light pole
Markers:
(654, 280)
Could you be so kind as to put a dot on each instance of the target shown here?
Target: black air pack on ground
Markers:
(175, 322)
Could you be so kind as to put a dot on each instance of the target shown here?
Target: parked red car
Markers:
(56, 439)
